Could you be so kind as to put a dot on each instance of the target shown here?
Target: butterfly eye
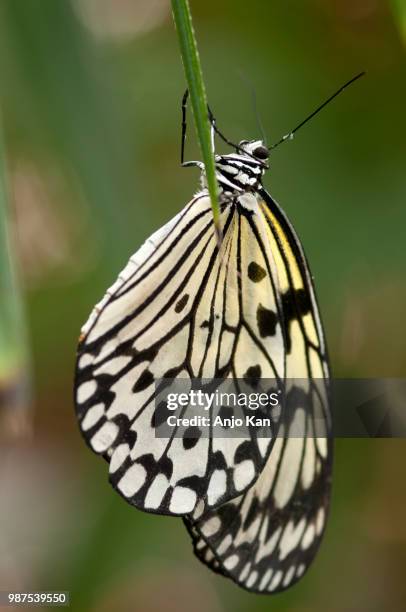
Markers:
(261, 152)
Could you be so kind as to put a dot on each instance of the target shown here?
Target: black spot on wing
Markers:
(182, 303)
(126, 434)
(191, 437)
(295, 303)
(253, 375)
(226, 412)
(255, 272)
(267, 321)
(146, 379)
(152, 467)
(244, 451)
(160, 414)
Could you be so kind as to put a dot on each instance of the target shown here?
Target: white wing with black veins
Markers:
(181, 310)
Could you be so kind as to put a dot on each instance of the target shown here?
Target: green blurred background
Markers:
(90, 99)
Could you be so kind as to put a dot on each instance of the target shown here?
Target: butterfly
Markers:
(186, 307)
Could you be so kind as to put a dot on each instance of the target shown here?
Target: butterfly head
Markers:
(256, 149)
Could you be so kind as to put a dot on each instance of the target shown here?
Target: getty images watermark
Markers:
(216, 409)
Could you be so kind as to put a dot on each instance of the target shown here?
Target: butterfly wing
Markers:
(266, 538)
(175, 312)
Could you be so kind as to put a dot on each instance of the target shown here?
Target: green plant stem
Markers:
(197, 92)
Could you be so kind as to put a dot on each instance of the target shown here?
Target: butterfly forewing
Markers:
(179, 310)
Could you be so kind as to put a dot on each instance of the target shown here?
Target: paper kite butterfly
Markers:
(187, 306)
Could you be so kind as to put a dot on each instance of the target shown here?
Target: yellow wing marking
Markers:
(294, 268)
(295, 273)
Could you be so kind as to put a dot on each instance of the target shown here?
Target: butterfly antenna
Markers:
(289, 136)
(184, 106)
(213, 124)
(220, 134)
(224, 138)
(251, 88)
(258, 116)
